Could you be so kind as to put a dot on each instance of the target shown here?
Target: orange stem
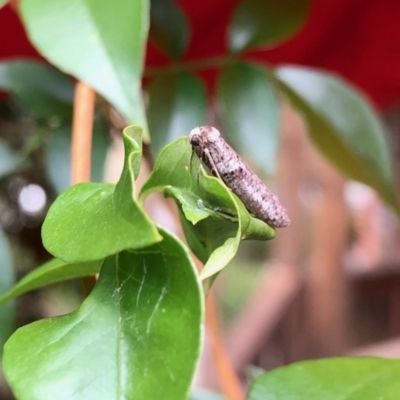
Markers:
(228, 379)
(82, 127)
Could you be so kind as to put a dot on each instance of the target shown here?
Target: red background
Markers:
(359, 39)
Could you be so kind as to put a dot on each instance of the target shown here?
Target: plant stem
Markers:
(82, 128)
(228, 379)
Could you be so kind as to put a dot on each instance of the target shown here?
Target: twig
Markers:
(228, 379)
(82, 127)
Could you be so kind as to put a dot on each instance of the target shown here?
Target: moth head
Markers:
(194, 140)
(202, 134)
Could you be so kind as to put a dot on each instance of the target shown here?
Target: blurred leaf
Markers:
(136, 336)
(51, 272)
(6, 282)
(58, 156)
(343, 125)
(38, 88)
(90, 221)
(177, 104)
(218, 219)
(331, 379)
(249, 111)
(35, 140)
(169, 28)
(203, 394)
(101, 43)
(258, 23)
(9, 161)
(3, 2)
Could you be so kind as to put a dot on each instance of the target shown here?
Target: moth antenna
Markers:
(214, 168)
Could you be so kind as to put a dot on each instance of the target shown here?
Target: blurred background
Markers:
(328, 285)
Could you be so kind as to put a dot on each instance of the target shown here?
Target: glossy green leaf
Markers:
(343, 125)
(99, 42)
(331, 379)
(136, 336)
(258, 23)
(169, 28)
(51, 272)
(91, 221)
(58, 156)
(38, 88)
(249, 111)
(177, 103)
(6, 282)
(9, 161)
(207, 235)
(218, 219)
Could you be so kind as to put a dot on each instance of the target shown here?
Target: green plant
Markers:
(138, 334)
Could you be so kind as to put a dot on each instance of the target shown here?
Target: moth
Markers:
(226, 164)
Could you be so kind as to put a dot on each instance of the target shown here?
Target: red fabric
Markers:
(13, 40)
(359, 39)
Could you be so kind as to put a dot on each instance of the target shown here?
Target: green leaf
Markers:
(51, 272)
(218, 219)
(343, 125)
(136, 336)
(258, 23)
(6, 282)
(101, 43)
(249, 111)
(9, 161)
(38, 88)
(91, 221)
(58, 156)
(207, 235)
(177, 104)
(169, 28)
(331, 379)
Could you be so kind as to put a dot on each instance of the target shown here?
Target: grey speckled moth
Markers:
(225, 163)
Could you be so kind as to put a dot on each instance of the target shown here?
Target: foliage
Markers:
(337, 378)
(85, 44)
(138, 334)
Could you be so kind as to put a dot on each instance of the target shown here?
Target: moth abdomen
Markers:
(226, 164)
